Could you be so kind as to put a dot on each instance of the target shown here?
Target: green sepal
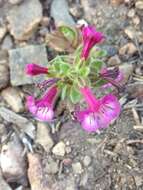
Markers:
(75, 95)
(64, 92)
(56, 64)
(100, 82)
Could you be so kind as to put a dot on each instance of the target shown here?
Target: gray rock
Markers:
(43, 137)
(3, 130)
(60, 12)
(7, 43)
(59, 149)
(22, 123)
(4, 58)
(15, 2)
(20, 57)
(3, 31)
(13, 97)
(24, 19)
(12, 160)
(111, 50)
(4, 76)
(3, 184)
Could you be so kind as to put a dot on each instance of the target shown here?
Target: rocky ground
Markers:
(38, 156)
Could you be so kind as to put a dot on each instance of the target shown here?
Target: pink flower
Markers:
(100, 112)
(34, 69)
(113, 76)
(42, 108)
(90, 38)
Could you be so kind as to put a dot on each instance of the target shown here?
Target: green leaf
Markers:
(64, 68)
(69, 33)
(84, 71)
(100, 82)
(56, 64)
(97, 64)
(75, 96)
(100, 53)
(64, 92)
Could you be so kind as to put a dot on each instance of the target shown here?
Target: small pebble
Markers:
(43, 136)
(76, 11)
(87, 161)
(77, 168)
(128, 48)
(116, 2)
(59, 149)
(12, 96)
(67, 161)
(139, 5)
(51, 166)
(136, 20)
(130, 32)
(68, 149)
(131, 13)
(15, 2)
(45, 21)
(115, 60)
(4, 76)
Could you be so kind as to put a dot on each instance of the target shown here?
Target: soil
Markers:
(113, 159)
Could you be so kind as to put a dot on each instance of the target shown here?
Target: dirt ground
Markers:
(111, 160)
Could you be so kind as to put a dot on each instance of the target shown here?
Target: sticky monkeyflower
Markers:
(42, 108)
(113, 76)
(34, 69)
(90, 38)
(99, 113)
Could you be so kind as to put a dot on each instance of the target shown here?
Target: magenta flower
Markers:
(113, 76)
(90, 38)
(100, 112)
(42, 108)
(34, 69)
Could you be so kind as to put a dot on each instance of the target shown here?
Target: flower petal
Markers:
(90, 38)
(34, 69)
(30, 103)
(110, 107)
(114, 76)
(80, 115)
(93, 122)
(44, 113)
